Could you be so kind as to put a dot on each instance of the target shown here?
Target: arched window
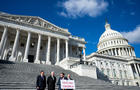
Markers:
(125, 74)
(120, 73)
(108, 72)
(114, 73)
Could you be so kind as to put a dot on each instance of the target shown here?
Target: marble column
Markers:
(66, 42)
(58, 51)
(84, 54)
(12, 58)
(115, 51)
(131, 72)
(129, 52)
(38, 49)
(3, 39)
(27, 48)
(3, 51)
(136, 70)
(112, 52)
(48, 51)
(119, 51)
(133, 52)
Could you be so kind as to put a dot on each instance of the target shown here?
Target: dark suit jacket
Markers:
(51, 83)
(41, 82)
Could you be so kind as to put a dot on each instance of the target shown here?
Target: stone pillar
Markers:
(3, 51)
(136, 70)
(12, 58)
(58, 51)
(38, 49)
(2, 40)
(48, 51)
(115, 51)
(112, 52)
(66, 42)
(84, 54)
(131, 72)
(124, 53)
(27, 48)
(129, 52)
(133, 52)
(119, 51)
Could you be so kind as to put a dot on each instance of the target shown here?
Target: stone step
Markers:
(22, 76)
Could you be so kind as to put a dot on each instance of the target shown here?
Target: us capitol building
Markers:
(35, 40)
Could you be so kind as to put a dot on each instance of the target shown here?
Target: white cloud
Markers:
(132, 13)
(79, 8)
(133, 36)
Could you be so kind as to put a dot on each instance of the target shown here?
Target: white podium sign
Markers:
(67, 84)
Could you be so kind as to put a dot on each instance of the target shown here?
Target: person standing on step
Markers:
(41, 81)
(69, 78)
(51, 80)
(62, 77)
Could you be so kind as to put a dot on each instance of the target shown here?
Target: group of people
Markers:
(42, 82)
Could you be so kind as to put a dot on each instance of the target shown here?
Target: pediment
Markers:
(35, 21)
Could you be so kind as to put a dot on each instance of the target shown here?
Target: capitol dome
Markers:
(113, 43)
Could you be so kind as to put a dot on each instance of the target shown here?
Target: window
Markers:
(125, 74)
(108, 72)
(11, 42)
(22, 44)
(32, 45)
(41, 47)
(114, 73)
(120, 73)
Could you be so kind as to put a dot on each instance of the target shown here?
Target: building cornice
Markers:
(51, 27)
(118, 58)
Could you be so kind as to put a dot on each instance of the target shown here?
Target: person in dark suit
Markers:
(69, 77)
(51, 80)
(41, 81)
(62, 77)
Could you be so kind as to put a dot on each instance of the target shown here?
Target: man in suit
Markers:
(41, 81)
(51, 80)
(62, 77)
(69, 77)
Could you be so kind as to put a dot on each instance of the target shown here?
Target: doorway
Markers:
(31, 58)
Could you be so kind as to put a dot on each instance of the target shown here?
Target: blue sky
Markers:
(84, 18)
